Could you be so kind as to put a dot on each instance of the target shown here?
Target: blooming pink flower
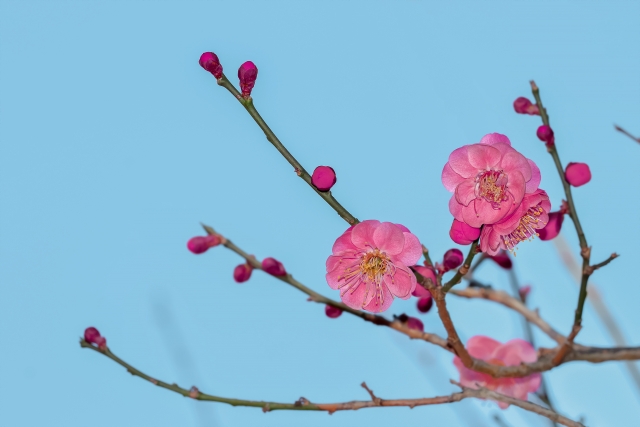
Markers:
(522, 105)
(545, 134)
(370, 263)
(462, 233)
(323, 178)
(531, 215)
(488, 179)
(512, 353)
(273, 267)
(552, 229)
(92, 336)
(502, 259)
(452, 259)
(247, 73)
(201, 244)
(210, 62)
(242, 272)
(427, 273)
(332, 312)
(577, 174)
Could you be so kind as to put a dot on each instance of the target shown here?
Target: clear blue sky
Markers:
(115, 144)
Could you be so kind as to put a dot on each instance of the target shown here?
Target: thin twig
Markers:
(247, 103)
(593, 268)
(304, 404)
(462, 270)
(619, 129)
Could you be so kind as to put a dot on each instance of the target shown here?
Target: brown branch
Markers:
(304, 404)
(594, 267)
(462, 270)
(619, 129)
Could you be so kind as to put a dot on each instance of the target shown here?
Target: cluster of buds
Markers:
(247, 73)
(92, 336)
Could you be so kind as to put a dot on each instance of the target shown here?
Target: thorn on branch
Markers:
(375, 399)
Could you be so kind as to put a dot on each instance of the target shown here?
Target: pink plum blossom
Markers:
(242, 272)
(427, 273)
(247, 73)
(92, 336)
(332, 312)
(545, 134)
(273, 267)
(522, 105)
(452, 259)
(512, 353)
(462, 233)
(425, 304)
(210, 62)
(488, 179)
(369, 265)
(502, 259)
(323, 178)
(552, 229)
(577, 174)
(522, 224)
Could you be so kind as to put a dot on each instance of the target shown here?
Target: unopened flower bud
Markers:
(462, 233)
(200, 244)
(323, 178)
(425, 304)
(247, 73)
(545, 134)
(577, 174)
(522, 105)
(427, 273)
(524, 292)
(502, 259)
(209, 61)
(92, 336)
(242, 273)
(414, 323)
(452, 259)
(194, 393)
(332, 312)
(273, 267)
(552, 229)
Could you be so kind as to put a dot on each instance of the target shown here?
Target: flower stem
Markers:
(462, 270)
(247, 103)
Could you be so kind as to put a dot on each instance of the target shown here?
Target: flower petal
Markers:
(362, 233)
(465, 192)
(343, 243)
(402, 283)
(514, 352)
(516, 186)
(494, 138)
(450, 179)
(534, 182)
(459, 162)
(482, 347)
(355, 296)
(375, 305)
(455, 208)
(483, 157)
(514, 161)
(412, 250)
(388, 238)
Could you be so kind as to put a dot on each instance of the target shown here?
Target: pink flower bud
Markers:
(545, 134)
(242, 273)
(552, 229)
(92, 336)
(273, 267)
(414, 323)
(524, 292)
(323, 178)
(209, 61)
(462, 233)
(194, 392)
(247, 73)
(332, 312)
(200, 244)
(425, 304)
(427, 273)
(452, 259)
(523, 106)
(577, 174)
(502, 259)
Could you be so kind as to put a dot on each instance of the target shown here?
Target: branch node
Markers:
(376, 400)
(266, 408)
(301, 402)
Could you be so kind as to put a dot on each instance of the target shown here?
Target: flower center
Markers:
(526, 229)
(492, 186)
(373, 265)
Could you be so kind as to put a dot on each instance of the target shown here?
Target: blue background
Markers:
(115, 144)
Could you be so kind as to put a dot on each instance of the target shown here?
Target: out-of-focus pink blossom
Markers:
(92, 336)
(462, 233)
(577, 174)
(323, 178)
(201, 244)
(552, 229)
(530, 216)
(242, 273)
(512, 353)
(415, 323)
(370, 263)
(488, 180)
(247, 73)
(332, 312)
(545, 134)
(427, 273)
(502, 259)
(524, 292)
(425, 303)
(273, 267)
(452, 259)
(210, 62)
(522, 105)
